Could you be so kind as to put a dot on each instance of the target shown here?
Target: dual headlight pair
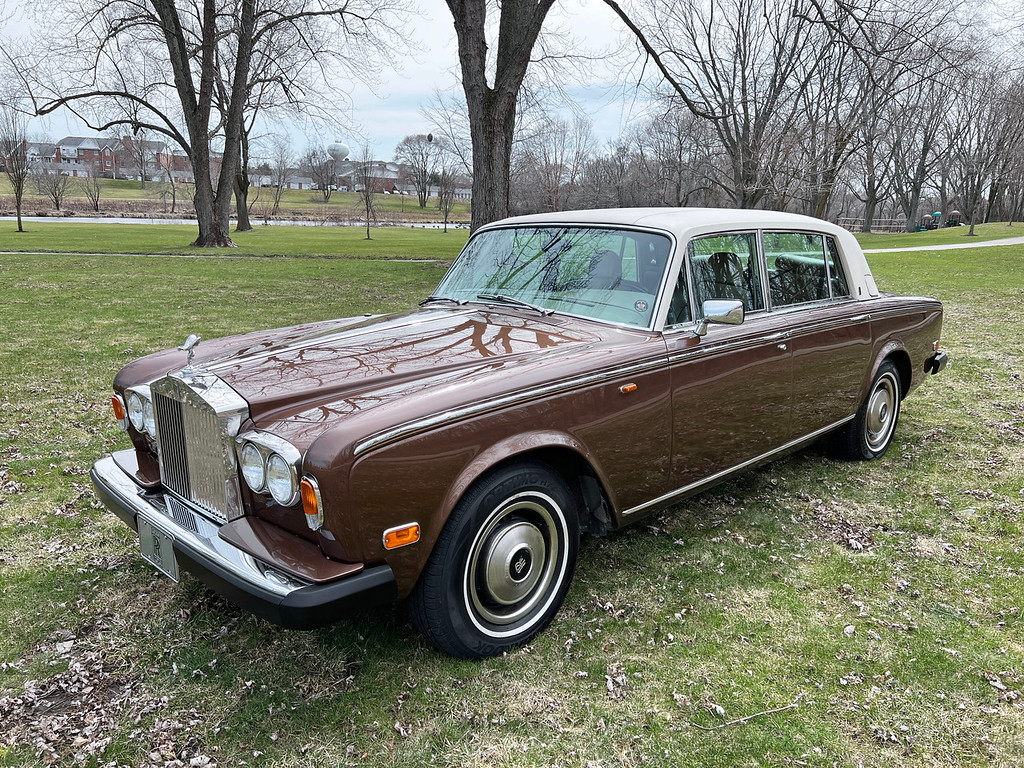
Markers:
(269, 465)
(139, 408)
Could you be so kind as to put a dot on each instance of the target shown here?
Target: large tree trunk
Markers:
(242, 188)
(242, 202)
(492, 110)
(492, 126)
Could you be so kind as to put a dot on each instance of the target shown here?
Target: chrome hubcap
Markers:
(513, 561)
(510, 562)
(881, 412)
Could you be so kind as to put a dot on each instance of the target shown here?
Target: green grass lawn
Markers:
(996, 230)
(306, 203)
(273, 240)
(905, 645)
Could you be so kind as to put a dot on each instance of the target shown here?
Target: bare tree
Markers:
(14, 154)
(323, 170)
(491, 106)
(979, 136)
(419, 152)
(448, 114)
(143, 152)
(52, 183)
(155, 65)
(449, 165)
(165, 161)
(551, 162)
(281, 161)
(366, 186)
(92, 186)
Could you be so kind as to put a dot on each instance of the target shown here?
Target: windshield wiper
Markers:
(432, 299)
(502, 298)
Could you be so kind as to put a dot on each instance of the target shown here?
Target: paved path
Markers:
(949, 246)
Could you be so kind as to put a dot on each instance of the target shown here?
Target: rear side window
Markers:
(840, 288)
(797, 271)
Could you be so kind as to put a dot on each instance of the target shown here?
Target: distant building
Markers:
(384, 175)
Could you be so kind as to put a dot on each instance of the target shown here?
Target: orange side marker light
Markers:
(627, 388)
(401, 536)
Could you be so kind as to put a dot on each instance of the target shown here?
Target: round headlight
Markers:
(253, 469)
(148, 417)
(135, 411)
(280, 480)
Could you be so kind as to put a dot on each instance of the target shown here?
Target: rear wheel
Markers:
(502, 565)
(869, 434)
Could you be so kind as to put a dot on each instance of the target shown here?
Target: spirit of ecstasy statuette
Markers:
(190, 346)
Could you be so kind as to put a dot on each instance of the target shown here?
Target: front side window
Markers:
(796, 267)
(726, 267)
(605, 274)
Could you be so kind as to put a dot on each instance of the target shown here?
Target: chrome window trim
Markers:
(484, 406)
(824, 258)
(711, 479)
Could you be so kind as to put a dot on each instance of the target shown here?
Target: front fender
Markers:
(518, 446)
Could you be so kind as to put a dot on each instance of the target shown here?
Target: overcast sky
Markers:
(387, 111)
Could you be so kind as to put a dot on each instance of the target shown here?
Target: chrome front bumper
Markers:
(235, 574)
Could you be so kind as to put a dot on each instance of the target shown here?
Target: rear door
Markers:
(829, 333)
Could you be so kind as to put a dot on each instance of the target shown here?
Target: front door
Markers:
(731, 389)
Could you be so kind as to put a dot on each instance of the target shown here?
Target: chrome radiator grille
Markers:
(197, 461)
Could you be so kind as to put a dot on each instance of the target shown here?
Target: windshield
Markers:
(605, 274)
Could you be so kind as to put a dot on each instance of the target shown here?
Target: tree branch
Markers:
(794, 705)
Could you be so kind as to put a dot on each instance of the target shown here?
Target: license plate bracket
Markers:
(157, 548)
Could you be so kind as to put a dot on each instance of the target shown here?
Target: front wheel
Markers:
(502, 565)
(869, 434)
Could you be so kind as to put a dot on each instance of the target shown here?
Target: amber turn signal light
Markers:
(119, 411)
(401, 536)
(311, 506)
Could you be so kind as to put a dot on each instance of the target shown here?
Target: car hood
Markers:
(383, 370)
(371, 373)
(312, 373)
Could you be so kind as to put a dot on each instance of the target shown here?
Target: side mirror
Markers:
(725, 311)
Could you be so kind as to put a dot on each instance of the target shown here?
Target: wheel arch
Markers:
(564, 455)
(895, 352)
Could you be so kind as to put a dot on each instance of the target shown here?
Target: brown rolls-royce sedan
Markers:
(573, 372)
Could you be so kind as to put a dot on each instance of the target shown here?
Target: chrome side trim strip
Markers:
(728, 346)
(475, 409)
(739, 467)
(826, 325)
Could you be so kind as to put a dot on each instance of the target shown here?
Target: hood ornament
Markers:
(190, 346)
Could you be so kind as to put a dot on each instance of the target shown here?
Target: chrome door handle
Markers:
(782, 347)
